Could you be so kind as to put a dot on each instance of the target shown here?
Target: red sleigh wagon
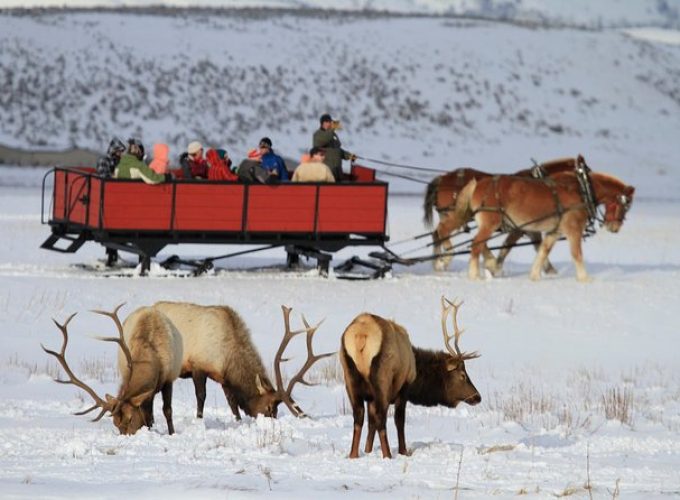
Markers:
(309, 219)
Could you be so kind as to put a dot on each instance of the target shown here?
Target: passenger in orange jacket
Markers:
(160, 161)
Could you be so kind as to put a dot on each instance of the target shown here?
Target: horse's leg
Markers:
(542, 254)
(536, 240)
(448, 223)
(574, 238)
(509, 242)
(487, 223)
(440, 238)
(490, 261)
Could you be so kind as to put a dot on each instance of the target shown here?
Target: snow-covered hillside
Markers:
(427, 91)
(602, 13)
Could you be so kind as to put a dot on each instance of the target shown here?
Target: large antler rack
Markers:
(312, 358)
(120, 340)
(73, 380)
(447, 308)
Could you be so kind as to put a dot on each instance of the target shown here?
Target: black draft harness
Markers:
(589, 202)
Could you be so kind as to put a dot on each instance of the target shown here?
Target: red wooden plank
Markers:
(93, 203)
(350, 209)
(59, 200)
(210, 207)
(282, 208)
(134, 205)
(76, 196)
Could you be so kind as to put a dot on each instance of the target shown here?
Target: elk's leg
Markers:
(370, 437)
(199, 378)
(542, 254)
(400, 420)
(377, 411)
(358, 411)
(147, 411)
(232, 401)
(167, 406)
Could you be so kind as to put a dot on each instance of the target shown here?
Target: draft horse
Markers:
(555, 206)
(442, 193)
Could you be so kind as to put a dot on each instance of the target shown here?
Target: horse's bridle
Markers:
(618, 207)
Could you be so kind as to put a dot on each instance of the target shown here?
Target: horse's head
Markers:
(616, 207)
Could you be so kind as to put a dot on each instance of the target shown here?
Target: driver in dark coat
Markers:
(326, 139)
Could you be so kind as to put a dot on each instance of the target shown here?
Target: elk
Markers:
(217, 345)
(381, 367)
(149, 361)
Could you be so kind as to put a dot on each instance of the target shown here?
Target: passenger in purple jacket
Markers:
(272, 162)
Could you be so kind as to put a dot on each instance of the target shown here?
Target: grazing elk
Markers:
(381, 367)
(217, 345)
(149, 361)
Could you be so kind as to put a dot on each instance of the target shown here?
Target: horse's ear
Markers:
(580, 159)
(629, 191)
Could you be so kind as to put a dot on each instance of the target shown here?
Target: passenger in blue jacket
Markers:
(272, 162)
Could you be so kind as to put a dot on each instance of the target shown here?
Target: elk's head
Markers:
(128, 414)
(126, 409)
(267, 402)
(457, 384)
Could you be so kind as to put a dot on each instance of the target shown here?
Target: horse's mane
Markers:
(557, 161)
(607, 178)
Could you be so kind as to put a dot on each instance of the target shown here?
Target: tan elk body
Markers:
(149, 361)
(156, 349)
(218, 345)
(379, 364)
(381, 367)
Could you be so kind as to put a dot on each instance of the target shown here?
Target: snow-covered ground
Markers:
(580, 382)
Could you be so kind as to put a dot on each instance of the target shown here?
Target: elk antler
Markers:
(299, 376)
(457, 332)
(120, 340)
(61, 357)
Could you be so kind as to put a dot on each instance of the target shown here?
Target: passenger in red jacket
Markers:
(193, 164)
(219, 166)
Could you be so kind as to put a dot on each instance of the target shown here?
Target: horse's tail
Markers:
(463, 210)
(430, 199)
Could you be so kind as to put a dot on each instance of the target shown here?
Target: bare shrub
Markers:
(618, 405)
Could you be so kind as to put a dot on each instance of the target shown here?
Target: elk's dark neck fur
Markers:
(428, 387)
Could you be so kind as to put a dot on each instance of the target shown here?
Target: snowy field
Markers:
(580, 382)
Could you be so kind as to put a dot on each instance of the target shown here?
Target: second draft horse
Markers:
(554, 207)
(442, 193)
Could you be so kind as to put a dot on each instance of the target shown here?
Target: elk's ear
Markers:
(140, 398)
(451, 365)
(258, 383)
